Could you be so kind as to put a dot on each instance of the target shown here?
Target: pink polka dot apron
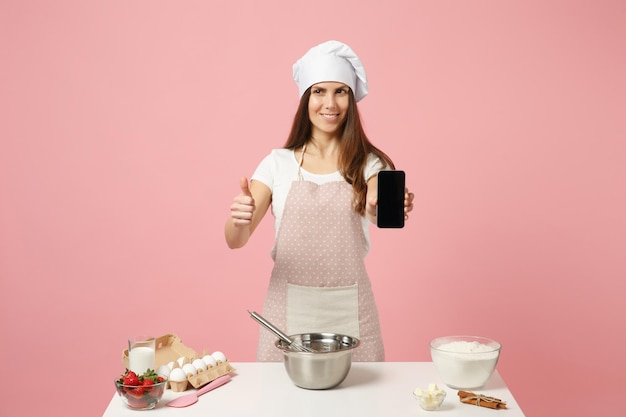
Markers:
(319, 282)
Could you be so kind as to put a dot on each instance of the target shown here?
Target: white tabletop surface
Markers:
(376, 389)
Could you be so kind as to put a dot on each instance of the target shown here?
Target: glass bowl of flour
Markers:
(465, 362)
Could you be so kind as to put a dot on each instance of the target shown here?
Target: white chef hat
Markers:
(331, 61)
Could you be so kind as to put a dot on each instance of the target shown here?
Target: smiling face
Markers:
(328, 106)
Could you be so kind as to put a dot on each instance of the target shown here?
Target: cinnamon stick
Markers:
(479, 400)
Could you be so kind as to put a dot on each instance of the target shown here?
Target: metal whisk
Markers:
(282, 336)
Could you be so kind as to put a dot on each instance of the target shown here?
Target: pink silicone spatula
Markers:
(187, 400)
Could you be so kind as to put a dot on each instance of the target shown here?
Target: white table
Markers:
(378, 389)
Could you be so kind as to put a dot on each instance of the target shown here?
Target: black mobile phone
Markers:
(390, 208)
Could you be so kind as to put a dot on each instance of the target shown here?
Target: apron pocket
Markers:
(323, 309)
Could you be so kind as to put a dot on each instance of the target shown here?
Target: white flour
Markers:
(465, 365)
(466, 347)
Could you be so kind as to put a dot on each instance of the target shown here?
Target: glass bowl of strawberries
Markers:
(140, 392)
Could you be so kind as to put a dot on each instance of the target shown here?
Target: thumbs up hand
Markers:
(242, 208)
(245, 189)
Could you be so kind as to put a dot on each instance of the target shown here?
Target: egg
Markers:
(219, 356)
(181, 361)
(170, 365)
(189, 369)
(177, 375)
(164, 371)
(199, 364)
(209, 360)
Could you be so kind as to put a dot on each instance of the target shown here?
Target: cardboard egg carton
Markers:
(169, 348)
(201, 377)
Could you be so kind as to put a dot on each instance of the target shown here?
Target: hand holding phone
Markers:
(390, 207)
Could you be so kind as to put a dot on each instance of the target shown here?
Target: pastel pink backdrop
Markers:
(127, 124)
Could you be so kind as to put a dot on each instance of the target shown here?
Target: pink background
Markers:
(125, 126)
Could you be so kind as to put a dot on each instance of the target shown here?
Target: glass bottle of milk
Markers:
(141, 354)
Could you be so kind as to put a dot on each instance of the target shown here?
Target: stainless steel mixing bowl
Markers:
(325, 368)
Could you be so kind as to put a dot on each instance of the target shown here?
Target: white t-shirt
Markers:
(280, 168)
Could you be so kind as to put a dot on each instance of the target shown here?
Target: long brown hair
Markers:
(354, 146)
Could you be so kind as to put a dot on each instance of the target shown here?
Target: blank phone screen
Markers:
(390, 209)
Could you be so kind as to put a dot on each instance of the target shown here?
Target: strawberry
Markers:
(131, 379)
(157, 391)
(147, 384)
(150, 374)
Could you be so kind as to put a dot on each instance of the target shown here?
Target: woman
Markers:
(322, 187)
